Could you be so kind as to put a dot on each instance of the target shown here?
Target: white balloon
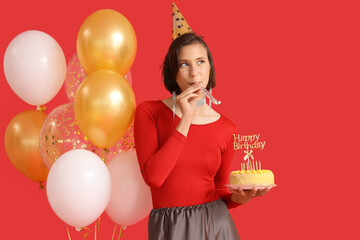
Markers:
(78, 187)
(35, 67)
(130, 196)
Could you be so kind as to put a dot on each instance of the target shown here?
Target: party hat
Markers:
(180, 26)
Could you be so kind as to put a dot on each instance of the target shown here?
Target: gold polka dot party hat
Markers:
(180, 26)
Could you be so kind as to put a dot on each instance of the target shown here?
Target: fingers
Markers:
(252, 193)
(232, 190)
(258, 192)
(189, 93)
(238, 191)
(244, 193)
(262, 192)
(192, 89)
(248, 193)
(243, 196)
(187, 101)
(186, 97)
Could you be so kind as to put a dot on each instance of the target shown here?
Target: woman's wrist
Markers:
(233, 198)
(184, 125)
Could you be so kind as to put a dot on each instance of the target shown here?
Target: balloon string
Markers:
(114, 232)
(67, 229)
(95, 229)
(41, 186)
(120, 233)
(86, 235)
(104, 153)
(41, 108)
(99, 224)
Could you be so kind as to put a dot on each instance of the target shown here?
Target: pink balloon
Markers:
(130, 199)
(78, 187)
(60, 133)
(76, 74)
(128, 77)
(35, 67)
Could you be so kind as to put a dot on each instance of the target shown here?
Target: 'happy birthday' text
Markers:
(247, 142)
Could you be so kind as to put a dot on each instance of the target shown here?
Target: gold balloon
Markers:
(104, 107)
(106, 40)
(22, 144)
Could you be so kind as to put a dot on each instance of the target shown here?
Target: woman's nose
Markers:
(193, 70)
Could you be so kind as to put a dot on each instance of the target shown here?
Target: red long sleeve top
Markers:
(183, 171)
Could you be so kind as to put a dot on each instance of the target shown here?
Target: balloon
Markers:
(128, 77)
(106, 40)
(22, 144)
(126, 143)
(130, 199)
(104, 107)
(35, 67)
(60, 133)
(78, 187)
(76, 74)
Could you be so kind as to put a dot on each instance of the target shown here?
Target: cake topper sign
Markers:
(248, 143)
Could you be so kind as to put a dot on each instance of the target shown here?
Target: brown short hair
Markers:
(170, 66)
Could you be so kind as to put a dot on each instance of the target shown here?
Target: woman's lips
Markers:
(192, 83)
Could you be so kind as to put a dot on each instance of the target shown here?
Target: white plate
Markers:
(249, 187)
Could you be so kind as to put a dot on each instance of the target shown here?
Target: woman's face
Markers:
(194, 66)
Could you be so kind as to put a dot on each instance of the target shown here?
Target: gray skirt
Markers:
(208, 221)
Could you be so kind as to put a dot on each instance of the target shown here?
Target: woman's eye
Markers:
(201, 61)
(183, 64)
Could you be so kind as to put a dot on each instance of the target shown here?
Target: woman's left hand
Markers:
(243, 196)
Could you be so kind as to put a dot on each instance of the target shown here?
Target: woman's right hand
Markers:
(187, 101)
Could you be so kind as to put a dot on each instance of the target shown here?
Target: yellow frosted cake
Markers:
(252, 177)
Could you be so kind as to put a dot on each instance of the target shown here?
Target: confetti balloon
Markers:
(125, 144)
(76, 74)
(60, 133)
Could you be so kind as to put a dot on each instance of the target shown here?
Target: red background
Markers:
(285, 69)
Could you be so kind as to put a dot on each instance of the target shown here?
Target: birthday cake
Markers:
(250, 175)
(252, 178)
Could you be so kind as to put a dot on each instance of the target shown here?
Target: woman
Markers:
(185, 158)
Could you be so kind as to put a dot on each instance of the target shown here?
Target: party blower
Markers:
(209, 96)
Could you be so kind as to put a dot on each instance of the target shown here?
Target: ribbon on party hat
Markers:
(180, 26)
